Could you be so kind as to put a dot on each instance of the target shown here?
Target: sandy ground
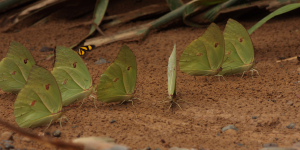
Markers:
(260, 107)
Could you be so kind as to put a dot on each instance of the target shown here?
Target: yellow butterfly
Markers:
(82, 49)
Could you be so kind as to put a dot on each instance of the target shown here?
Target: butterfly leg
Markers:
(61, 118)
(48, 125)
(243, 74)
(220, 77)
(172, 102)
(252, 72)
(131, 100)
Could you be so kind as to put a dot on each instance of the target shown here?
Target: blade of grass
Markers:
(174, 4)
(128, 16)
(8, 4)
(196, 8)
(212, 14)
(277, 12)
(143, 30)
(99, 13)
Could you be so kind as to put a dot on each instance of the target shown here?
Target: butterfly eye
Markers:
(33, 103)
(216, 45)
(75, 64)
(129, 68)
(25, 61)
(241, 39)
(47, 86)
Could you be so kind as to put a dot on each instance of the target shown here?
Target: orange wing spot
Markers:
(241, 39)
(81, 52)
(228, 53)
(33, 103)
(47, 86)
(116, 79)
(84, 48)
(216, 45)
(74, 64)
(128, 68)
(25, 61)
(13, 73)
(199, 54)
(65, 82)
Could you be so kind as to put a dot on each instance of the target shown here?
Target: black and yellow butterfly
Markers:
(82, 50)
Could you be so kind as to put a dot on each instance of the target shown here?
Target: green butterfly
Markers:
(119, 80)
(15, 68)
(204, 56)
(172, 74)
(238, 48)
(72, 75)
(39, 101)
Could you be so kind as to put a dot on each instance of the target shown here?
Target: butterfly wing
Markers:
(172, 74)
(204, 56)
(239, 49)
(39, 102)
(72, 76)
(118, 82)
(15, 68)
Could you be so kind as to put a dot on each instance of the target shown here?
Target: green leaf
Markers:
(15, 68)
(72, 76)
(239, 49)
(172, 74)
(204, 56)
(119, 80)
(39, 102)
(99, 13)
(277, 12)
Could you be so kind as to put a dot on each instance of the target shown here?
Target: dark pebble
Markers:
(157, 149)
(8, 146)
(148, 148)
(56, 133)
(291, 126)
(229, 127)
(46, 49)
(101, 61)
(113, 121)
(240, 144)
(254, 117)
(270, 145)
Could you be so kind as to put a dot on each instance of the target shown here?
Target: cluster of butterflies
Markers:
(219, 54)
(42, 94)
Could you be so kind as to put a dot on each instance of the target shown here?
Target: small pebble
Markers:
(56, 133)
(101, 61)
(254, 117)
(6, 135)
(8, 146)
(26, 139)
(177, 148)
(229, 127)
(148, 148)
(46, 49)
(113, 121)
(240, 144)
(291, 126)
(270, 145)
